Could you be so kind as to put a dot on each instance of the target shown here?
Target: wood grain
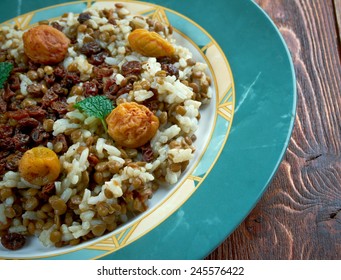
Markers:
(299, 216)
(337, 6)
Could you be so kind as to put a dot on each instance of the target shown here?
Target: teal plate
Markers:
(250, 128)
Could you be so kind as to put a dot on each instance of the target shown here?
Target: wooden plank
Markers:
(299, 217)
(337, 5)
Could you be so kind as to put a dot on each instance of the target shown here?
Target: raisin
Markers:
(98, 59)
(70, 79)
(12, 161)
(36, 112)
(32, 65)
(93, 159)
(2, 168)
(49, 97)
(20, 141)
(60, 107)
(14, 105)
(57, 89)
(5, 131)
(34, 90)
(47, 191)
(27, 124)
(102, 72)
(83, 17)
(90, 48)
(39, 134)
(18, 115)
(170, 69)
(152, 105)
(13, 241)
(131, 68)
(7, 144)
(4, 154)
(90, 88)
(8, 93)
(147, 153)
(57, 26)
(3, 106)
(14, 82)
(125, 89)
(49, 79)
(110, 88)
(164, 60)
(61, 138)
(59, 72)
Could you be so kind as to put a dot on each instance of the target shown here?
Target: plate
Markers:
(230, 175)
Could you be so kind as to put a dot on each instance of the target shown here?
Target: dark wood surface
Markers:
(299, 216)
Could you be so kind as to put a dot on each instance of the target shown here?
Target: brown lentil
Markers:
(48, 70)
(5, 193)
(31, 204)
(57, 221)
(190, 62)
(137, 182)
(48, 224)
(10, 212)
(163, 118)
(48, 125)
(98, 177)
(113, 166)
(72, 67)
(58, 147)
(31, 228)
(101, 166)
(32, 75)
(18, 210)
(76, 90)
(74, 242)
(43, 22)
(112, 38)
(102, 209)
(68, 220)
(81, 28)
(180, 110)
(111, 227)
(57, 204)
(175, 167)
(55, 236)
(197, 74)
(76, 135)
(204, 86)
(31, 192)
(195, 87)
(41, 214)
(40, 73)
(98, 230)
(39, 224)
(28, 102)
(44, 88)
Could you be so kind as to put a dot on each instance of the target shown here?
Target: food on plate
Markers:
(149, 43)
(97, 112)
(132, 125)
(39, 166)
(45, 44)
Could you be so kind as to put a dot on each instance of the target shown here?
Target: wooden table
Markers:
(299, 216)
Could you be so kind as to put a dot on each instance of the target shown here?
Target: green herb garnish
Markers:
(97, 106)
(5, 70)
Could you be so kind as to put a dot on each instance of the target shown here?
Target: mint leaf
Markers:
(5, 70)
(97, 106)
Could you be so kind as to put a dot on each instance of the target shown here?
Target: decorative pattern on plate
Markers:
(223, 109)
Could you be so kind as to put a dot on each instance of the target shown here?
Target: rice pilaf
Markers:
(102, 182)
